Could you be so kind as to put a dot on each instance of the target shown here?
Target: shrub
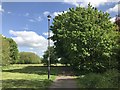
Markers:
(94, 80)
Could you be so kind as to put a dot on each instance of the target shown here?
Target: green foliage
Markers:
(28, 58)
(53, 56)
(107, 80)
(0, 49)
(85, 38)
(5, 50)
(9, 51)
(13, 51)
(117, 50)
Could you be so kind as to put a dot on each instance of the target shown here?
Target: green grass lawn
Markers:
(35, 76)
(27, 76)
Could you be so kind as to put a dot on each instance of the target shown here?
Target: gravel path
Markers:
(64, 82)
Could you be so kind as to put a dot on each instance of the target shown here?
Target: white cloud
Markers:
(84, 3)
(58, 13)
(96, 3)
(31, 40)
(73, 2)
(113, 19)
(35, 19)
(46, 13)
(31, 20)
(53, 14)
(46, 33)
(38, 18)
(1, 9)
(113, 9)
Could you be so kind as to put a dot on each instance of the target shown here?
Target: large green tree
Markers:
(84, 37)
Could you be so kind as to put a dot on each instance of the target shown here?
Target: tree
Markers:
(13, 51)
(28, 58)
(9, 50)
(5, 51)
(53, 56)
(85, 37)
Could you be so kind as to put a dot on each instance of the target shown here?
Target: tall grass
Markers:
(108, 79)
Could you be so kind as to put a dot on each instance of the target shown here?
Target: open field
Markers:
(31, 75)
(27, 76)
(35, 76)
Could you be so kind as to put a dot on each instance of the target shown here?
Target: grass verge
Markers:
(109, 79)
(27, 76)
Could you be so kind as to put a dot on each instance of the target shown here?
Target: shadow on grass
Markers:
(42, 70)
(30, 84)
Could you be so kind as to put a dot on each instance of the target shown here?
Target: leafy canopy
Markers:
(84, 37)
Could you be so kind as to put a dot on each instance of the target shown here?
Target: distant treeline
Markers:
(11, 55)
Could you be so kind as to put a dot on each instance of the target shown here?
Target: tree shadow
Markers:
(43, 70)
(27, 84)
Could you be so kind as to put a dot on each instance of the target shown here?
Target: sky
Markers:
(27, 24)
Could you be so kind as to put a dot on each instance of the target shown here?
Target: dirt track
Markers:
(64, 82)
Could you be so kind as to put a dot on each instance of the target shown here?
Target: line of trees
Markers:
(28, 58)
(11, 55)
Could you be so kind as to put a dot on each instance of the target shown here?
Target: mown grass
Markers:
(28, 76)
(109, 79)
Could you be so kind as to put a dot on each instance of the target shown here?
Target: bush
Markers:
(107, 80)
(28, 58)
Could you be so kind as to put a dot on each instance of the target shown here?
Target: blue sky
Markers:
(26, 22)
